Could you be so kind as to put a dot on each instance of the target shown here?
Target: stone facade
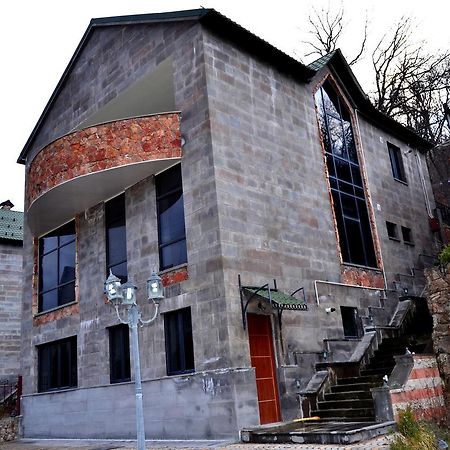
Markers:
(11, 256)
(438, 283)
(256, 203)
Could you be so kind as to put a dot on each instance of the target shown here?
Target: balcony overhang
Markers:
(92, 165)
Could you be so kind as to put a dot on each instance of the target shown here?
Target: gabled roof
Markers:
(209, 18)
(338, 65)
(11, 225)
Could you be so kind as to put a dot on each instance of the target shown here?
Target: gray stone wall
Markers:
(11, 255)
(184, 407)
(399, 203)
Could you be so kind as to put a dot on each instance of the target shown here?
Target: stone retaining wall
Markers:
(9, 429)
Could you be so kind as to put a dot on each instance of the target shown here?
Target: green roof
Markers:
(278, 299)
(321, 62)
(11, 225)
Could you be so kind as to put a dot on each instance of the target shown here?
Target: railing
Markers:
(10, 393)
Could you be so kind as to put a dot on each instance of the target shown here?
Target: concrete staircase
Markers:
(350, 398)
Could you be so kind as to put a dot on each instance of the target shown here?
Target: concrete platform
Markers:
(316, 432)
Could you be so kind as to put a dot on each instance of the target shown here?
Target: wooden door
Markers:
(263, 360)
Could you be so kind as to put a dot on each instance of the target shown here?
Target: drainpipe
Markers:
(422, 182)
(334, 283)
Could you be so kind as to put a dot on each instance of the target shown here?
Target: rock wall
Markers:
(438, 285)
(9, 429)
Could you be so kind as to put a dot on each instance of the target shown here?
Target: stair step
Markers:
(346, 404)
(345, 412)
(360, 379)
(355, 387)
(379, 371)
(360, 395)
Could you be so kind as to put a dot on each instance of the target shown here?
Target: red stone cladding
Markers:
(104, 147)
(362, 277)
(174, 276)
(422, 392)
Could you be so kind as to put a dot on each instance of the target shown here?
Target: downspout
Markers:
(422, 182)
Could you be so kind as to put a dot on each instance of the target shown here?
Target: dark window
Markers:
(57, 268)
(57, 365)
(395, 155)
(349, 201)
(407, 235)
(119, 354)
(351, 322)
(392, 230)
(116, 237)
(179, 345)
(171, 230)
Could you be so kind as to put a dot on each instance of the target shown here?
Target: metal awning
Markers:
(276, 298)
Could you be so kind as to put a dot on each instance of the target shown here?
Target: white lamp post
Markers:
(125, 295)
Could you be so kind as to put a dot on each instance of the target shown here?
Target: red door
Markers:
(263, 360)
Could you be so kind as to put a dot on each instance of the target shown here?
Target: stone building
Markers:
(11, 235)
(182, 142)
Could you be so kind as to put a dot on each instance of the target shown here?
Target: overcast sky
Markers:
(38, 38)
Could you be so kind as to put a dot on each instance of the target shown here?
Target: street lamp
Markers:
(125, 295)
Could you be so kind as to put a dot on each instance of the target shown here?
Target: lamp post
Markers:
(125, 295)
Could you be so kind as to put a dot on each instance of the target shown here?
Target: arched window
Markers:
(344, 174)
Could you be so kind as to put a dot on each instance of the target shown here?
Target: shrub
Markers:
(444, 256)
(413, 435)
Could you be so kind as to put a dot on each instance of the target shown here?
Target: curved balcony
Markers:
(85, 167)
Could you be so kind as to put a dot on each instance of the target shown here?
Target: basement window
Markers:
(392, 231)
(57, 365)
(179, 344)
(119, 354)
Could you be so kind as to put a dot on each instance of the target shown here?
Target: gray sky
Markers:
(38, 38)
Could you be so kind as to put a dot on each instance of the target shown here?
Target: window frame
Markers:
(397, 166)
(178, 189)
(57, 249)
(72, 370)
(392, 231)
(119, 333)
(181, 362)
(345, 178)
(112, 218)
(407, 235)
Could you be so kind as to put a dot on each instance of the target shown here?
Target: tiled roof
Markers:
(11, 225)
(321, 62)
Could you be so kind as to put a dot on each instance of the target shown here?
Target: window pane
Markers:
(48, 244)
(66, 233)
(117, 244)
(348, 136)
(49, 300)
(340, 226)
(120, 271)
(330, 165)
(171, 218)
(168, 180)
(173, 254)
(49, 271)
(356, 175)
(355, 242)
(336, 136)
(67, 263)
(330, 100)
(343, 170)
(349, 206)
(66, 293)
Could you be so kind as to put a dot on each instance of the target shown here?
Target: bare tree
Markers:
(326, 28)
(411, 85)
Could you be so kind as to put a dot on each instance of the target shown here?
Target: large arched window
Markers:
(344, 173)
